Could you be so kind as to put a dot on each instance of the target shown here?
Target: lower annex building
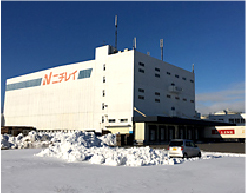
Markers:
(118, 91)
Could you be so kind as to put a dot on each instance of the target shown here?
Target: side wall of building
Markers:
(114, 92)
(90, 95)
(62, 100)
(224, 132)
(161, 89)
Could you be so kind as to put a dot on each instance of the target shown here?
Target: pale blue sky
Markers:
(211, 35)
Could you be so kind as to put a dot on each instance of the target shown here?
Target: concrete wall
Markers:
(74, 104)
(152, 85)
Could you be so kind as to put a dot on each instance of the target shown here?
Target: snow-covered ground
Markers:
(23, 172)
(82, 162)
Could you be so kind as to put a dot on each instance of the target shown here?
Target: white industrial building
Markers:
(102, 94)
(227, 116)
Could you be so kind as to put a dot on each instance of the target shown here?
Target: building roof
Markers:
(178, 121)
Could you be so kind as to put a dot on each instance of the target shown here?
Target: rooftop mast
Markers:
(116, 32)
(161, 45)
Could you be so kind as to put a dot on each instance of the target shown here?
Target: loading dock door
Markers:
(171, 130)
(152, 132)
(163, 133)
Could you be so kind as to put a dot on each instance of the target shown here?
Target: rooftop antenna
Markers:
(116, 32)
(161, 45)
(193, 68)
(134, 43)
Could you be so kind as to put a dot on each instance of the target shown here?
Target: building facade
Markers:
(227, 116)
(102, 94)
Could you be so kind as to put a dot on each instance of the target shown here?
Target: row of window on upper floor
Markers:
(157, 69)
(113, 120)
(141, 97)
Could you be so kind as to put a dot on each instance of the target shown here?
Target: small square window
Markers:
(173, 108)
(168, 73)
(123, 120)
(111, 120)
(141, 97)
(104, 67)
(168, 96)
(102, 106)
(157, 100)
(103, 93)
(140, 70)
(157, 93)
(177, 98)
(141, 90)
(157, 69)
(141, 64)
(104, 80)
(184, 99)
(157, 75)
(177, 76)
(191, 101)
(184, 78)
(192, 81)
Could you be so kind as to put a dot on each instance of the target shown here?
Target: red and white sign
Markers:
(227, 131)
(58, 78)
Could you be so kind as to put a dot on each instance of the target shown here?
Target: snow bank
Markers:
(85, 146)
(80, 146)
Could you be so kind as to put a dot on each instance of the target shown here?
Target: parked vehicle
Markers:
(183, 148)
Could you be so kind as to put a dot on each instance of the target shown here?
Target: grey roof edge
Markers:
(178, 121)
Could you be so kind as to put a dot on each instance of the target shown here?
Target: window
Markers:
(24, 84)
(104, 80)
(157, 100)
(191, 101)
(231, 121)
(172, 84)
(172, 108)
(102, 119)
(184, 78)
(103, 93)
(184, 99)
(168, 96)
(168, 73)
(141, 90)
(237, 121)
(141, 64)
(157, 69)
(102, 106)
(85, 73)
(177, 76)
(157, 93)
(141, 97)
(123, 120)
(157, 75)
(140, 70)
(111, 120)
(104, 67)
(192, 81)
(177, 98)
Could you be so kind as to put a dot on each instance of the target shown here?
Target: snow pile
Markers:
(109, 139)
(44, 139)
(85, 146)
